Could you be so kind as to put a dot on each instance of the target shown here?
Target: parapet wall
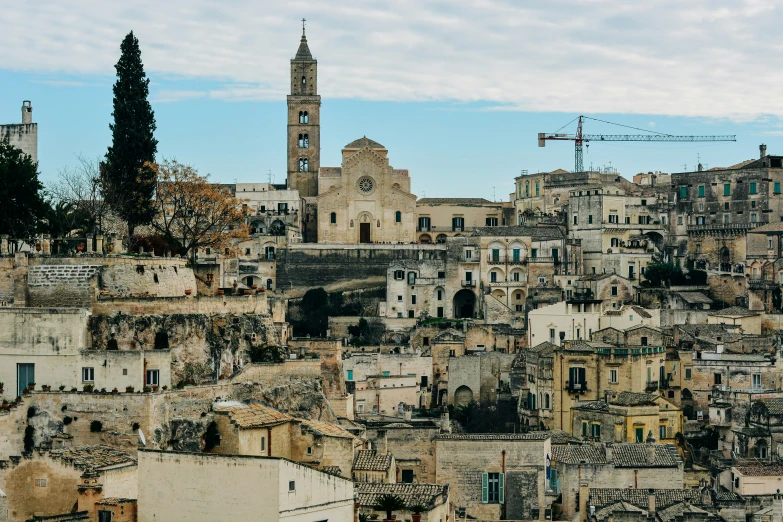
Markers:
(301, 267)
(204, 305)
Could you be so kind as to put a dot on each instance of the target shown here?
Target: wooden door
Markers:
(364, 232)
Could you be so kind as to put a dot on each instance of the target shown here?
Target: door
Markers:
(364, 232)
(25, 374)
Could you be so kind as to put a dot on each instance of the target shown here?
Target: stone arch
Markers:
(441, 238)
(439, 297)
(464, 304)
(425, 239)
(463, 395)
(500, 294)
(686, 394)
(516, 274)
(249, 281)
(277, 228)
(500, 275)
(518, 297)
(257, 226)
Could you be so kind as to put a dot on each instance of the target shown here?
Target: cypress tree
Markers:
(21, 193)
(128, 186)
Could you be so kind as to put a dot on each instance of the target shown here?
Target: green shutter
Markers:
(501, 494)
(484, 488)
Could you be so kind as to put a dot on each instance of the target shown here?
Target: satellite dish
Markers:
(141, 438)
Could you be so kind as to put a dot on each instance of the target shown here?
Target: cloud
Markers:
(707, 58)
(175, 95)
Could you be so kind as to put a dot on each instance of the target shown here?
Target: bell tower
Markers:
(304, 122)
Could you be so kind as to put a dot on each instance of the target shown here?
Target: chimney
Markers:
(609, 454)
(584, 493)
(27, 112)
(90, 491)
(651, 501)
(762, 151)
(651, 454)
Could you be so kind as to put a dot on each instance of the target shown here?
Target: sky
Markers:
(456, 90)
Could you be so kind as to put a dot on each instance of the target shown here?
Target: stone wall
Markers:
(246, 304)
(23, 136)
(304, 266)
(411, 444)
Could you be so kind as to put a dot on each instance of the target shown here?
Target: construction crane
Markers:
(580, 138)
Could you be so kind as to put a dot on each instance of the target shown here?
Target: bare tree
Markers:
(79, 190)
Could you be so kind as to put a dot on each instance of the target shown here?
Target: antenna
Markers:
(270, 176)
(493, 193)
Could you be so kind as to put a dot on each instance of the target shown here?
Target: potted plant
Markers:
(74, 389)
(89, 388)
(129, 389)
(155, 389)
(188, 291)
(103, 390)
(374, 516)
(220, 291)
(147, 389)
(31, 386)
(1, 386)
(254, 287)
(165, 387)
(417, 510)
(46, 387)
(389, 503)
(6, 405)
(115, 390)
(62, 387)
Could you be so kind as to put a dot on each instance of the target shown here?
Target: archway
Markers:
(441, 238)
(365, 227)
(425, 239)
(725, 259)
(277, 228)
(500, 294)
(464, 304)
(463, 396)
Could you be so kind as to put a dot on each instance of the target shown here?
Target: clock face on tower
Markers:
(366, 185)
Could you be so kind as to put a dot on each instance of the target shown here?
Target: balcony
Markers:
(510, 260)
(576, 387)
(722, 228)
(469, 284)
(762, 284)
(423, 229)
(502, 284)
(651, 386)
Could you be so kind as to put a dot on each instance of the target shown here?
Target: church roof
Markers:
(364, 142)
(303, 53)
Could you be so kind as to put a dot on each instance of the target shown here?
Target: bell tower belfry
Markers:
(304, 122)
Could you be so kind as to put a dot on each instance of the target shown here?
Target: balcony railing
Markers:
(731, 228)
(651, 386)
(469, 284)
(576, 387)
(471, 259)
(496, 260)
(423, 229)
(762, 284)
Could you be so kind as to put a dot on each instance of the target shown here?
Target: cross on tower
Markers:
(303, 25)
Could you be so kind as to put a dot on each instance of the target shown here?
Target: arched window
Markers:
(304, 165)
(304, 80)
(398, 217)
(333, 218)
(615, 242)
(546, 401)
(303, 117)
(304, 141)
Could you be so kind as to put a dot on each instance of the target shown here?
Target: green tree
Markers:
(128, 184)
(659, 273)
(313, 313)
(21, 192)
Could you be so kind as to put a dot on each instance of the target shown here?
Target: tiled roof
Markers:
(602, 497)
(364, 142)
(533, 435)
(733, 311)
(604, 513)
(88, 457)
(723, 495)
(694, 297)
(454, 201)
(249, 416)
(545, 348)
(559, 437)
(641, 311)
(752, 431)
(590, 405)
(677, 510)
(761, 471)
(626, 398)
(114, 501)
(580, 346)
(332, 470)
(576, 454)
(370, 460)
(774, 406)
(635, 455)
(328, 430)
(427, 495)
(766, 229)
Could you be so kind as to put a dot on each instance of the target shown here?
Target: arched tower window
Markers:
(398, 216)
(304, 80)
(304, 141)
(303, 117)
(304, 165)
(333, 218)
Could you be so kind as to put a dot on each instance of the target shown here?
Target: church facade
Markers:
(365, 200)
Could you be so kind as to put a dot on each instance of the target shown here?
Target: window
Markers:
(269, 252)
(576, 219)
(679, 220)
(661, 432)
(756, 381)
(263, 443)
(304, 165)
(776, 189)
(515, 276)
(537, 187)
(247, 252)
(552, 335)
(440, 295)
(399, 298)
(309, 450)
(88, 374)
(613, 218)
(407, 476)
(590, 219)
(546, 401)
(752, 188)
(701, 191)
(441, 275)
(493, 277)
(468, 255)
(457, 224)
(411, 314)
(153, 377)
(644, 341)
(304, 141)
(519, 307)
(411, 278)
(534, 253)
(614, 291)
(639, 434)
(303, 117)
(104, 515)
(424, 224)
(726, 206)
(495, 255)
(492, 221)
(585, 428)
(718, 378)
(683, 192)
(615, 242)
(125, 371)
(350, 375)
(40, 483)
(769, 243)
(516, 255)
(753, 204)
(688, 372)
(727, 189)
(291, 485)
(492, 488)
(644, 202)
(576, 378)
(527, 190)
(726, 218)
(440, 311)
(613, 376)
(399, 275)
(398, 217)
(753, 217)
(413, 299)
(596, 430)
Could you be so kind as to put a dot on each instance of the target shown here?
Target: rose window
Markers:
(366, 185)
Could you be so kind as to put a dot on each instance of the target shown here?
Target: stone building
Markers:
(23, 135)
(233, 487)
(389, 394)
(496, 476)
(433, 497)
(365, 200)
(439, 218)
(714, 210)
(374, 467)
(612, 290)
(304, 123)
(621, 232)
(481, 377)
